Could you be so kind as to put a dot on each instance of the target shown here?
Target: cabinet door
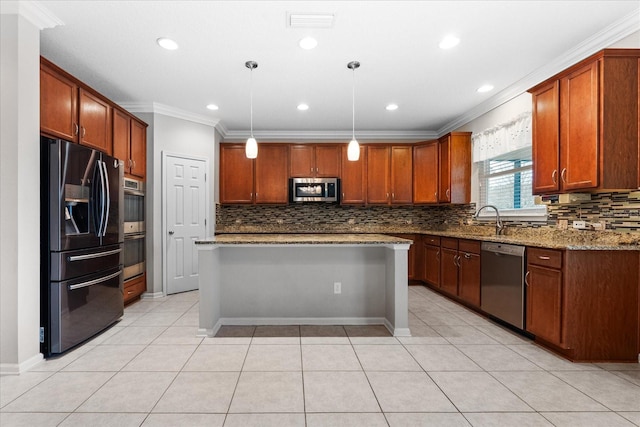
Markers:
(353, 178)
(401, 175)
(432, 265)
(444, 167)
(302, 161)
(544, 303)
(95, 122)
(58, 105)
(122, 138)
(378, 175)
(327, 161)
(469, 280)
(546, 139)
(418, 258)
(236, 175)
(138, 149)
(425, 173)
(579, 129)
(272, 174)
(449, 271)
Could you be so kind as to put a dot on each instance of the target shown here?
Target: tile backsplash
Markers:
(619, 210)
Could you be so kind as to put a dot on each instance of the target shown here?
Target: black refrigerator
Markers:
(81, 227)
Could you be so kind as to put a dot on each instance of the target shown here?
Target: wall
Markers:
(19, 176)
(174, 136)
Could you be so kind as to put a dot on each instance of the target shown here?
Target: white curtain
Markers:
(503, 138)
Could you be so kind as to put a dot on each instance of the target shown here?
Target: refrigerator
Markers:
(82, 236)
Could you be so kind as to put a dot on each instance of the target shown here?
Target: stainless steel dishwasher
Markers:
(502, 282)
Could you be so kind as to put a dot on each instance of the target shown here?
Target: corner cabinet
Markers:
(442, 170)
(263, 180)
(585, 125)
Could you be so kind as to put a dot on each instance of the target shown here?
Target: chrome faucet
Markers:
(499, 224)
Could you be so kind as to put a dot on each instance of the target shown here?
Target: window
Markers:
(504, 170)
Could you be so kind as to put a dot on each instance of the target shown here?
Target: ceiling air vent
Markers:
(310, 20)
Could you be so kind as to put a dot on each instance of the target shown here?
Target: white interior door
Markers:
(185, 214)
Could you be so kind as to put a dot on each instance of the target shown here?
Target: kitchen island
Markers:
(320, 279)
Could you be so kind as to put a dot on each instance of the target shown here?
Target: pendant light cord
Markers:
(251, 98)
(353, 105)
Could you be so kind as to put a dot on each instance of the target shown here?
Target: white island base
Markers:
(292, 280)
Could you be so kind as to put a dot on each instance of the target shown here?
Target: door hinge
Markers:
(205, 177)
(41, 334)
(205, 222)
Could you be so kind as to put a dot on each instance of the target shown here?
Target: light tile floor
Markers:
(458, 369)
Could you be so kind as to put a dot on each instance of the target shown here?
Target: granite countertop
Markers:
(304, 239)
(537, 237)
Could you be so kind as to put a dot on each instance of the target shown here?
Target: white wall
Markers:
(175, 136)
(19, 194)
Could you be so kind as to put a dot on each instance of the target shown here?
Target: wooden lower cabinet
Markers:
(469, 271)
(134, 288)
(449, 265)
(584, 304)
(431, 263)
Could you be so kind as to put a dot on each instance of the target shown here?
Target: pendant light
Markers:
(353, 149)
(251, 147)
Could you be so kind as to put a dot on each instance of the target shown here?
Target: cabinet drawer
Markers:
(448, 242)
(431, 240)
(135, 287)
(470, 246)
(544, 257)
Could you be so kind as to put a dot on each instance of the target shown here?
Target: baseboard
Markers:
(152, 295)
(261, 321)
(19, 368)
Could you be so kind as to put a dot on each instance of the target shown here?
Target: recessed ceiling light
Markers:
(212, 107)
(485, 88)
(303, 107)
(391, 107)
(449, 41)
(167, 43)
(308, 43)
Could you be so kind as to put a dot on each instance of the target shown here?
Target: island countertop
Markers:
(304, 239)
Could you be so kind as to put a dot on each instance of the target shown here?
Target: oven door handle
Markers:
(94, 282)
(134, 236)
(91, 256)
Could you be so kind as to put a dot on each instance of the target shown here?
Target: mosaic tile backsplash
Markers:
(619, 210)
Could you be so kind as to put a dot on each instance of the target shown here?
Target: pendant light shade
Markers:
(251, 147)
(353, 149)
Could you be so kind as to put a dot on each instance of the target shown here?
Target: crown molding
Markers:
(605, 38)
(333, 136)
(35, 12)
(166, 110)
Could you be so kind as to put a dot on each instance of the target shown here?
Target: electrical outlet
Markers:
(337, 287)
(580, 225)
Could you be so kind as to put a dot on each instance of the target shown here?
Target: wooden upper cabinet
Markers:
(353, 178)
(378, 168)
(591, 109)
(444, 166)
(236, 175)
(95, 121)
(425, 172)
(310, 160)
(130, 143)
(546, 134)
(138, 149)
(272, 174)
(401, 174)
(58, 104)
(454, 160)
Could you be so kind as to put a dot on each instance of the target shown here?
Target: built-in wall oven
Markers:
(134, 228)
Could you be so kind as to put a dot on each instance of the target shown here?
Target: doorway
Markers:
(185, 205)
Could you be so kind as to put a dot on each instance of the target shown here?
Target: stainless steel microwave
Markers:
(314, 190)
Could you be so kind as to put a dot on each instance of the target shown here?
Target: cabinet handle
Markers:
(311, 170)
(448, 193)
(393, 196)
(133, 162)
(76, 129)
(438, 255)
(526, 277)
(467, 256)
(436, 194)
(343, 195)
(129, 292)
(544, 258)
(387, 196)
(554, 176)
(562, 174)
(130, 162)
(84, 131)
(317, 170)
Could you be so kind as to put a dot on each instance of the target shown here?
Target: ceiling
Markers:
(512, 45)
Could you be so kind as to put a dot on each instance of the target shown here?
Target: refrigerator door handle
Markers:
(91, 256)
(107, 205)
(94, 282)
